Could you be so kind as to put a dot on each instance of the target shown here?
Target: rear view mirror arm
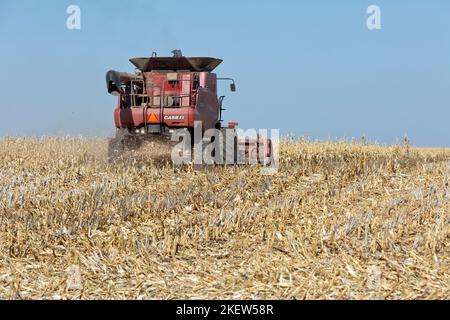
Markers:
(232, 85)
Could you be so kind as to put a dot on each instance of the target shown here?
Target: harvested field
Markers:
(338, 221)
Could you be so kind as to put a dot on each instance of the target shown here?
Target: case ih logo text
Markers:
(172, 118)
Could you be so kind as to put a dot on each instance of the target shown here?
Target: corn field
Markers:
(338, 221)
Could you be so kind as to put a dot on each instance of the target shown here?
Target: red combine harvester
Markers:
(169, 94)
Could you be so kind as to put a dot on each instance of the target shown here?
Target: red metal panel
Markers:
(159, 86)
(117, 112)
(186, 87)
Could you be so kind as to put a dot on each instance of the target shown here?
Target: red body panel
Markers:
(193, 96)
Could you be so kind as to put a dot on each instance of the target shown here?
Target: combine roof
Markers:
(198, 64)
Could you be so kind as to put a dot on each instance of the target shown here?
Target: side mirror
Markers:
(233, 87)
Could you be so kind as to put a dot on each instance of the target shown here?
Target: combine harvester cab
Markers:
(167, 95)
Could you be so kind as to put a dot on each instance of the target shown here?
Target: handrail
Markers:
(162, 93)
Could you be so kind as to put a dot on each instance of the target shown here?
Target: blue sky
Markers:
(306, 67)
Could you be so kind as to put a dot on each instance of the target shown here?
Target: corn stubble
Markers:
(338, 221)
